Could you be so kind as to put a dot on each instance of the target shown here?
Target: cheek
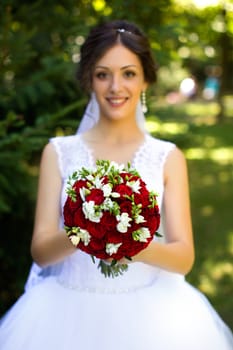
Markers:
(137, 87)
(99, 87)
(137, 93)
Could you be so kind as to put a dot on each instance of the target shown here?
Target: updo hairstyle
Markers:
(105, 36)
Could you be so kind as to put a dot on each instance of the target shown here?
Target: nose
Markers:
(115, 83)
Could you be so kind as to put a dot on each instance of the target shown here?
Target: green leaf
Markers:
(112, 270)
(157, 234)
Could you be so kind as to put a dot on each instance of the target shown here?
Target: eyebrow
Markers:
(122, 68)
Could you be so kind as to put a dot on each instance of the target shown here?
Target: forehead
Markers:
(119, 56)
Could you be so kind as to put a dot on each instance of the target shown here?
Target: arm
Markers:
(49, 243)
(177, 254)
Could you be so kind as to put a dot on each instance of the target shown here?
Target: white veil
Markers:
(91, 116)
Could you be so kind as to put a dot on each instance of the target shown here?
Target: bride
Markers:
(68, 303)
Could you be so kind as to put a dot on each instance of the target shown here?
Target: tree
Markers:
(206, 40)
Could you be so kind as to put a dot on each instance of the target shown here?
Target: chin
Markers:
(114, 116)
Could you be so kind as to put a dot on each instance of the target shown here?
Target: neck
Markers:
(116, 131)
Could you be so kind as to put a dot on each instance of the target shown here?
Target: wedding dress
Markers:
(72, 306)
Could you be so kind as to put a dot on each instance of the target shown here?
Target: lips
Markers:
(117, 101)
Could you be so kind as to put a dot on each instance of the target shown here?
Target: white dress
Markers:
(72, 306)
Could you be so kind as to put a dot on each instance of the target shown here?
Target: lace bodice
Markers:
(78, 270)
(73, 153)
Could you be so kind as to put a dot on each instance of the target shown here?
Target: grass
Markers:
(208, 147)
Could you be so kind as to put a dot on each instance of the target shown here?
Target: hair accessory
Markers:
(144, 106)
(122, 30)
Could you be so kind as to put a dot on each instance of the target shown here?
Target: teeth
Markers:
(116, 101)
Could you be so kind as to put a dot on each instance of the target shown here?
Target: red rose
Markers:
(68, 214)
(108, 221)
(115, 237)
(118, 255)
(143, 185)
(152, 218)
(95, 229)
(131, 247)
(154, 223)
(105, 180)
(79, 219)
(79, 184)
(123, 190)
(142, 197)
(73, 204)
(126, 207)
(97, 244)
(96, 247)
(96, 196)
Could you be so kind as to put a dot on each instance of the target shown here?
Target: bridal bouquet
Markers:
(110, 214)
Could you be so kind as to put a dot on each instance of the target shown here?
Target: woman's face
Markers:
(118, 81)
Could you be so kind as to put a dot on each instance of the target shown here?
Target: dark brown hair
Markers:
(105, 36)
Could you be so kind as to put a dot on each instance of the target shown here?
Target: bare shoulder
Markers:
(48, 150)
(49, 160)
(176, 155)
(175, 164)
(48, 153)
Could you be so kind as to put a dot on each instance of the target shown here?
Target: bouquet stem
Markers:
(112, 269)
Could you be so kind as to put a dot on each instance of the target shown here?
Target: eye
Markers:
(101, 75)
(129, 73)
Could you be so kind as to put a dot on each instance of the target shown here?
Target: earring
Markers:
(144, 106)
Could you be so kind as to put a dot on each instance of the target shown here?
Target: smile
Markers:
(117, 102)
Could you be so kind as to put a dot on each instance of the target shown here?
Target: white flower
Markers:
(97, 182)
(75, 240)
(80, 234)
(90, 177)
(115, 194)
(107, 204)
(135, 185)
(139, 219)
(141, 235)
(107, 189)
(90, 212)
(115, 166)
(112, 248)
(123, 223)
(82, 192)
(84, 236)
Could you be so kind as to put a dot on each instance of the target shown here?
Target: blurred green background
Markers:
(191, 105)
